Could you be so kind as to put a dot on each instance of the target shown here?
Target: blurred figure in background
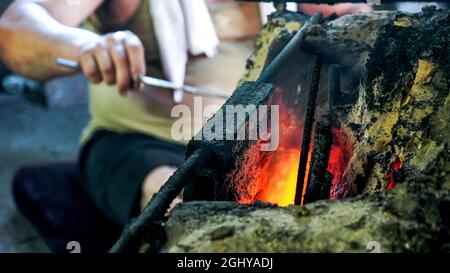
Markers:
(338, 9)
(413, 7)
(325, 9)
(128, 151)
(3, 71)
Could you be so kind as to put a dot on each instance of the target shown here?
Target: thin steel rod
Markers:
(307, 128)
(334, 88)
(318, 187)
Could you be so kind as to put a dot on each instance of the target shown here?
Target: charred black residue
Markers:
(399, 47)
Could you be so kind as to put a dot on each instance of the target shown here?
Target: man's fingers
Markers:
(118, 58)
(136, 57)
(105, 64)
(89, 66)
(121, 64)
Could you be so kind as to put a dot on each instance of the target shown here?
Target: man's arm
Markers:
(36, 32)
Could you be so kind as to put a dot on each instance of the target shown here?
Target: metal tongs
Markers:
(150, 81)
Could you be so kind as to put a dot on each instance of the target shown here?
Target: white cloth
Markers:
(182, 27)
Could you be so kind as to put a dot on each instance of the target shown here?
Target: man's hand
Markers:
(51, 27)
(116, 59)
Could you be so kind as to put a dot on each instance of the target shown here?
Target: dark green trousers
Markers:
(113, 167)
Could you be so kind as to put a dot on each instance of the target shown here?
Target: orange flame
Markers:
(272, 176)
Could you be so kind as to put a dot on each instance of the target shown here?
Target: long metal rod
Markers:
(318, 187)
(159, 204)
(307, 129)
(293, 45)
(334, 88)
(150, 81)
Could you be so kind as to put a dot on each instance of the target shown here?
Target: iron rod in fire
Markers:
(294, 44)
(318, 186)
(307, 128)
(334, 88)
(159, 204)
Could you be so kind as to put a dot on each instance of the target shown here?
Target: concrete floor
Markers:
(30, 135)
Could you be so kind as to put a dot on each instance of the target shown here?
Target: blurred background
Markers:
(42, 123)
(38, 123)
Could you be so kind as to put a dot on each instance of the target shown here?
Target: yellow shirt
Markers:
(149, 112)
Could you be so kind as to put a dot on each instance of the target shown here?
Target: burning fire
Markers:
(272, 176)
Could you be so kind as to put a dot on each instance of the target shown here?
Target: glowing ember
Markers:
(395, 166)
(305, 180)
(271, 176)
(340, 154)
(281, 179)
